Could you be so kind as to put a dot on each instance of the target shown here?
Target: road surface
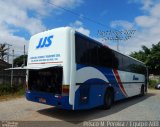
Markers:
(133, 109)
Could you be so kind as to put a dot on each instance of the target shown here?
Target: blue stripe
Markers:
(50, 99)
(95, 89)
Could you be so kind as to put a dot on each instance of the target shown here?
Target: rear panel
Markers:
(51, 49)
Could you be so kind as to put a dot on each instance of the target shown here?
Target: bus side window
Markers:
(115, 60)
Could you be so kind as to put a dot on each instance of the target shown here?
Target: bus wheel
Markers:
(142, 90)
(108, 99)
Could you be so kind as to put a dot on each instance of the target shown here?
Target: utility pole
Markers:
(24, 57)
(117, 39)
(12, 68)
(117, 45)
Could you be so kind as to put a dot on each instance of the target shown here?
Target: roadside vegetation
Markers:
(152, 83)
(8, 92)
(150, 56)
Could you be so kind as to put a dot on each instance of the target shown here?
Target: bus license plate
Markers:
(42, 100)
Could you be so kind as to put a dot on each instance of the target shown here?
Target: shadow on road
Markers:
(76, 117)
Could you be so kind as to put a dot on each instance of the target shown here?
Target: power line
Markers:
(76, 14)
(24, 55)
(86, 18)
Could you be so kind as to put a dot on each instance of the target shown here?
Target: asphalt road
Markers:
(133, 109)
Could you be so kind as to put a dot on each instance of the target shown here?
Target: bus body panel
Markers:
(47, 49)
(58, 53)
(87, 83)
(72, 65)
(92, 83)
(49, 99)
(99, 67)
(132, 82)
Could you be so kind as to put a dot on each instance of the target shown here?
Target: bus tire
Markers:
(142, 90)
(108, 99)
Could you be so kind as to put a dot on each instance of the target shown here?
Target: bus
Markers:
(69, 70)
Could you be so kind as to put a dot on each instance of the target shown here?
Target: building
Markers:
(4, 65)
(5, 76)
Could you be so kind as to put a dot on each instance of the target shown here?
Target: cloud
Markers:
(6, 36)
(78, 25)
(121, 23)
(27, 15)
(155, 11)
(67, 3)
(147, 27)
(145, 21)
(146, 4)
(83, 30)
(16, 13)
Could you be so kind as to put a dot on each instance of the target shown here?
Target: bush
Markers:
(7, 89)
(152, 83)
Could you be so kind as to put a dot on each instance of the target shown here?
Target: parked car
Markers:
(157, 86)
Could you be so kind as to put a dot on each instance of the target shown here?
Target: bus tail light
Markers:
(65, 89)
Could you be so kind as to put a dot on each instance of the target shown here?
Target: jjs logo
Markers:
(44, 42)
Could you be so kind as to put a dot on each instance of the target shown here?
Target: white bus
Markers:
(69, 70)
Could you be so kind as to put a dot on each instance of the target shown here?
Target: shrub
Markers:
(152, 83)
(6, 89)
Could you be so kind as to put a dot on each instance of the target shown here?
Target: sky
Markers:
(20, 19)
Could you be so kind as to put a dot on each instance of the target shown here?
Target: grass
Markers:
(8, 92)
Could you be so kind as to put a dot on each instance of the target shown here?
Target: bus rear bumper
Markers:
(49, 99)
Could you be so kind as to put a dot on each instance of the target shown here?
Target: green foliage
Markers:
(7, 90)
(152, 83)
(19, 60)
(151, 57)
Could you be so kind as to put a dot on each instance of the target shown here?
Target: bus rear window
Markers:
(46, 80)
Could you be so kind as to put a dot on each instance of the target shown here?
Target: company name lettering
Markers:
(135, 78)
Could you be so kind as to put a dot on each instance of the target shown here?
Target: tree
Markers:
(151, 57)
(3, 51)
(154, 58)
(19, 60)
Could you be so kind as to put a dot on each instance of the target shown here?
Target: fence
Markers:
(19, 77)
